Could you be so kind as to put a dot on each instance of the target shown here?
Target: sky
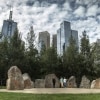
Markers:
(46, 15)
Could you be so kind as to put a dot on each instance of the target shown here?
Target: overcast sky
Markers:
(46, 15)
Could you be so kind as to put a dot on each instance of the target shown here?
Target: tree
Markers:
(48, 59)
(96, 55)
(16, 50)
(86, 54)
(70, 58)
(3, 60)
(32, 65)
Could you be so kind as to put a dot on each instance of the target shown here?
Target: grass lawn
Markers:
(21, 96)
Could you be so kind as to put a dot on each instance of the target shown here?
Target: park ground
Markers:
(55, 91)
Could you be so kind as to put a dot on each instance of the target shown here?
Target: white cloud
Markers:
(49, 17)
(80, 11)
(92, 11)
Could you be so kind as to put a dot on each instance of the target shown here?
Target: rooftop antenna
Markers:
(11, 12)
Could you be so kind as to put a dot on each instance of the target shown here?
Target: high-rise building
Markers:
(9, 26)
(75, 36)
(63, 35)
(44, 40)
(54, 41)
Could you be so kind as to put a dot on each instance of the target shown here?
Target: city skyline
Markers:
(83, 14)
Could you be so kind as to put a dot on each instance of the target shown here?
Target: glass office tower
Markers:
(9, 27)
(63, 36)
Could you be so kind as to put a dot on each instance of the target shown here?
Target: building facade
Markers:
(63, 35)
(44, 40)
(9, 27)
(54, 41)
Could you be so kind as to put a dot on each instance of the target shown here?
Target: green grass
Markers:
(21, 96)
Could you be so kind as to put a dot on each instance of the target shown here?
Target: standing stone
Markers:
(95, 84)
(27, 81)
(85, 82)
(15, 80)
(40, 83)
(72, 82)
(50, 79)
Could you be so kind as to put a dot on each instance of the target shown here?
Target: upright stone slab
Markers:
(71, 83)
(95, 84)
(85, 82)
(51, 81)
(15, 80)
(27, 81)
(40, 83)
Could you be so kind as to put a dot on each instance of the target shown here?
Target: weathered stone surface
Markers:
(15, 80)
(27, 81)
(85, 82)
(49, 81)
(71, 83)
(40, 83)
(95, 84)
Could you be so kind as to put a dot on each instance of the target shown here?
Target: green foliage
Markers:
(31, 55)
(87, 56)
(48, 59)
(70, 57)
(16, 50)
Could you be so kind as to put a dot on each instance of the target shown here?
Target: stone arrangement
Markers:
(39, 83)
(85, 82)
(49, 81)
(15, 80)
(28, 84)
(95, 84)
(71, 83)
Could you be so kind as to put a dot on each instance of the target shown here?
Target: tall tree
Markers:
(32, 65)
(70, 58)
(96, 55)
(86, 53)
(48, 60)
(16, 50)
(3, 60)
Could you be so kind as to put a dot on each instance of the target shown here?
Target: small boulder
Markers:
(51, 81)
(95, 84)
(85, 82)
(39, 83)
(27, 81)
(71, 83)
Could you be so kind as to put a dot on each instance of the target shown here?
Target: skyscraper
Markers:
(54, 41)
(9, 26)
(44, 40)
(63, 35)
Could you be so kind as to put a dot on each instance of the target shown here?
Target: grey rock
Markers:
(95, 84)
(85, 82)
(39, 83)
(15, 80)
(71, 83)
(27, 81)
(49, 81)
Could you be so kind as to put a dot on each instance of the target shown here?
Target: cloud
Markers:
(80, 11)
(92, 11)
(46, 16)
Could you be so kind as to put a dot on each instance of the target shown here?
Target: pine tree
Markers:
(16, 50)
(70, 58)
(86, 54)
(32, 65)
